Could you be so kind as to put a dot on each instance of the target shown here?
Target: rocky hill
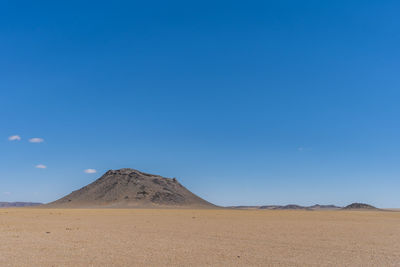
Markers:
(129, 188)
(359, 206)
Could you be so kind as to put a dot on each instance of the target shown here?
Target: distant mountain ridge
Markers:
(18, 204)
(286, 207)
(321, 207)
(130, 188)
(290, 207)
(353, 206)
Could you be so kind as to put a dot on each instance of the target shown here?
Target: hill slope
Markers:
(127, 188)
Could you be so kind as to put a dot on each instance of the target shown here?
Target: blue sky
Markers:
(246, 103)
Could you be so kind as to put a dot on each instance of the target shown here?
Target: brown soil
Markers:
(185, 237)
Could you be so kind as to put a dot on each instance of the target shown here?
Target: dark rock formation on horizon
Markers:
(359, 206)
(18, 204)
(269, 207)
(243, 207)
(353, 206)
(129, 188)
(291, 207)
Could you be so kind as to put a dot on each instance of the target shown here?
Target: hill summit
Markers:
(127, 188)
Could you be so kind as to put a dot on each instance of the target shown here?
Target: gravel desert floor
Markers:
(150, 237)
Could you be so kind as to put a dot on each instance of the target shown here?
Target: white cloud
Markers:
(7, 193)
(40, 166)
(36, 140)
(302, 148)
(14, 138)
(90, 171)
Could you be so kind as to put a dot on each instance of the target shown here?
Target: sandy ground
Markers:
(43, 237)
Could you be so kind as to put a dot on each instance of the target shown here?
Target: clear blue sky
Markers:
(245, 102)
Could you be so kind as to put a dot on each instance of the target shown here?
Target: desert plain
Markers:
(198, 237)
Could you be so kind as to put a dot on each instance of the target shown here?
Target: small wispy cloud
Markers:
(41, 166)
(302, 148)
(36, 140)
(90, 171)
(14, 138)
(7, 193)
